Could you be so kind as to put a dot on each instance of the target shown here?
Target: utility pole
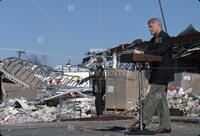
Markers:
(163, 17)
(20, 52)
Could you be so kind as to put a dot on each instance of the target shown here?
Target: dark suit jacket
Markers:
(162, 72)
(98, 81)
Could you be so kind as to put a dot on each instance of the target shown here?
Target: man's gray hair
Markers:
(156, 20)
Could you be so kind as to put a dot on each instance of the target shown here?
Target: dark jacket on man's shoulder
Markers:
(162, 72)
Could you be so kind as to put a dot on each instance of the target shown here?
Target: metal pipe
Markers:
(163, 17)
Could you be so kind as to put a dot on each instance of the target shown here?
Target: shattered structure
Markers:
(22, 111)
(32, 75)
(186, 53)
(54, 88)
(185, 46)
(61, 96)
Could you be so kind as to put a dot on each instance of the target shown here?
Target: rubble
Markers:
(59, 94)
(184, 100)
(64, 105)
(77, 108)
(45, 113)
(73, 103)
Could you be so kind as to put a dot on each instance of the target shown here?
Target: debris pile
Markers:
(72, 103)
(20, 111)
(66, 105)
(183, 100)
(77, 108)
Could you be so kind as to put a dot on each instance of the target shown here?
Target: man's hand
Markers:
(137, 51)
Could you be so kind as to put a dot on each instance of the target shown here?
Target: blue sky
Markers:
(65, 29)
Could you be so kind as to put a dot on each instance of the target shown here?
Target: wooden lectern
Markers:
(140, 60)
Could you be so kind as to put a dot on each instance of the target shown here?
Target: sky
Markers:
(67, 29)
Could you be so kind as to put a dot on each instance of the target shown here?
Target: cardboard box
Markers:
(122, 89)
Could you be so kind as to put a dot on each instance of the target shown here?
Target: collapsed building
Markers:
(44, 92)
(61, 96)
(186, 51)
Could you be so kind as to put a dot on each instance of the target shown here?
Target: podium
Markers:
(140, 60)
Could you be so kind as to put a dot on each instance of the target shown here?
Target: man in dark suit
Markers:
(161, 74)
(98, 83)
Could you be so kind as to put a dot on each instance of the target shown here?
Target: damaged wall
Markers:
(15, 91)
